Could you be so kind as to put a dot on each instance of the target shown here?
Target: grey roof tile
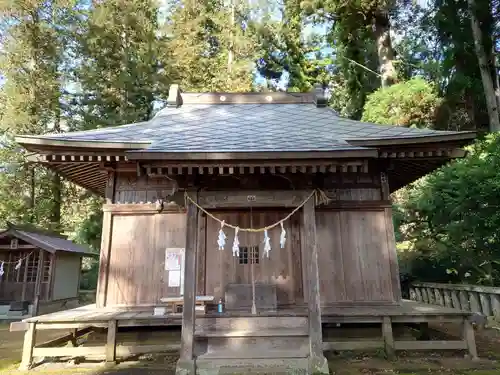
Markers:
(46, 241)
(246, 127)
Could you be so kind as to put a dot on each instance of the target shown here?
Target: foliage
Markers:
(464, 105)
(201, 35)
(120, 74)
(412, 103)
(286, 50)
(451, 219)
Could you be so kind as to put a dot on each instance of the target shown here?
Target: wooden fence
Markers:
(475, 298)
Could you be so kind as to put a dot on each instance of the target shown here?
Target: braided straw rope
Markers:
(320, 198)
(17, 261)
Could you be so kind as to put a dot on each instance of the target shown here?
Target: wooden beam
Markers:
(318, 363)
(201, 254)
(140, 209)
(110, 187)
(353, 345)
(384, 186)
(52, 279)
(64, 339)
(262, 198)
(188, 311)
(204, 156)
(430, 345)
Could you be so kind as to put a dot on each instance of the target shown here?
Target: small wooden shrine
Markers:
(38, 268)
(270, 203)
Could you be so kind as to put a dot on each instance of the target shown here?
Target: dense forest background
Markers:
(82, 64)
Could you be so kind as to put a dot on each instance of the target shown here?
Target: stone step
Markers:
(269, 332)
(296, 366)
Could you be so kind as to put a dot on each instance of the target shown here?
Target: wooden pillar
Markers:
(38, 282)
(29, 343)
(104, 256)
(25, 277)
(186, 363)
(388, 337)
(318, 362)
(391, 241)
(48, 289)
(111, 342)
(469, 338)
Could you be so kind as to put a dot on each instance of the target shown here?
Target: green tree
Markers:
(210, 45)
(464, 105)
(120, 75)
(286, 48)
(451, 219)
(33, 64)
(412, 103)
(365, 16)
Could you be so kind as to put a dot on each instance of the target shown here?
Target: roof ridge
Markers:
(34, 229)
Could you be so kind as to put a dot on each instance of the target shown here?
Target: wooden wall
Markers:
(282, 268)
(12, 290)
(137, 257)
(66, 276)
(354, 257)
(356, 249)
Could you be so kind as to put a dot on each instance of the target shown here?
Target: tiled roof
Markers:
(50, 243)
(246, 128)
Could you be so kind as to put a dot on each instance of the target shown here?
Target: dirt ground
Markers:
(345, 363)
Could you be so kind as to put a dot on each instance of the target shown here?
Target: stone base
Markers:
(318, 365)
(185, 367)
(282, 366)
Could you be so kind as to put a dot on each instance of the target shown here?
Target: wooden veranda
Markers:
(292, 322)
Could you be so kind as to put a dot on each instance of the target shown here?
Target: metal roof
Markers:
(245, 128)
(46, 241)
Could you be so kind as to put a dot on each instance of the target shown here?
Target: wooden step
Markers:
(270, 332)
(252, 323)
(298, 344)
(254, 354)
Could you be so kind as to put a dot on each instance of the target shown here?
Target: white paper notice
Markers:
(173, 261)
(174, 279)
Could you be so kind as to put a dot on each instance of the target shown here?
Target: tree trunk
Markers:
(32, 217)
(230, 55)
(385, 52)
(489, 90)
(495, 74)
(55, 214)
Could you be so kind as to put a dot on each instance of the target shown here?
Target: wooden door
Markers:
(282, 268)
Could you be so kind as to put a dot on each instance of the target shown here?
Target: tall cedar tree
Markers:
(288, 49)
(465, 98)
(210, 45)
(33, 65)
(362, 16)
(120, 75)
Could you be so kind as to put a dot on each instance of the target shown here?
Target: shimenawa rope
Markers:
(319, 196)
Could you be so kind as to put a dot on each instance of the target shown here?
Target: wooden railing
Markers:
(475, 298)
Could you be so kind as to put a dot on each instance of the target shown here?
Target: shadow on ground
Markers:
(344, 363)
